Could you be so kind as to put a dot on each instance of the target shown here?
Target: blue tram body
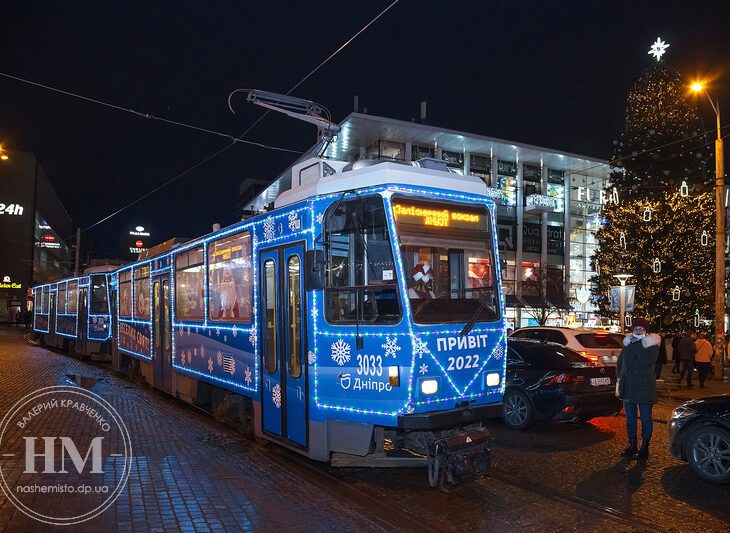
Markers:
(366, 307)
(74, 314)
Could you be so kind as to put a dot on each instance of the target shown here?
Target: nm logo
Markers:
(89, 457)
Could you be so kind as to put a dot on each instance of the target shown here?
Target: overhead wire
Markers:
(234, 139)
(247, 130)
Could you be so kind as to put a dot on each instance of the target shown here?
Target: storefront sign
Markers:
(11, 209)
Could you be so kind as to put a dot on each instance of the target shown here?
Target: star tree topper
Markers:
(658, 49)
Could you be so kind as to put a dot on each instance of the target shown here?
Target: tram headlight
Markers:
(429, 386)
(394, 376)
(492, 379)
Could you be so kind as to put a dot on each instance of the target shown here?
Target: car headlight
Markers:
(683, 412)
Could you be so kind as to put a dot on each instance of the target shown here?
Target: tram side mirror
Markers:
(314, 267)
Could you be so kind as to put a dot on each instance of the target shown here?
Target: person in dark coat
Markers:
(637, 385)
(675, 352)
(687, 350)
(662, 358)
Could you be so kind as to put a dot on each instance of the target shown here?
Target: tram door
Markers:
(51, 317)
(283, 365)
(83, 318)
(161, 334)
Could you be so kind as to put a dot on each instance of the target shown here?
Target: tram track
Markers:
(576, 502)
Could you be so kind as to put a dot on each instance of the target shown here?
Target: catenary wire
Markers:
(225, 148)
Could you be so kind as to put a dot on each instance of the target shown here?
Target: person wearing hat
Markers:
(636, 384)
(422, 276)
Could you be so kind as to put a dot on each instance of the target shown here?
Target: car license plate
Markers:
(600, 381)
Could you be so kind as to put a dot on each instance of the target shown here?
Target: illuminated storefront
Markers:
(33, 226)
(547, 214)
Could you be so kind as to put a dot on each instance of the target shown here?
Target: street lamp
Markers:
(623, 278)
(720, 236)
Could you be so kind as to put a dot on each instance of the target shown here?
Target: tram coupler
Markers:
(457, 457)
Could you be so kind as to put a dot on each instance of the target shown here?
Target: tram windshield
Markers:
(449, 262)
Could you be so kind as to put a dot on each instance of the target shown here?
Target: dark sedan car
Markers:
(549, 381)
(699, 432)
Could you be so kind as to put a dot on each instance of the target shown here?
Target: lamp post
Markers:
(719, 237)
(622, 299)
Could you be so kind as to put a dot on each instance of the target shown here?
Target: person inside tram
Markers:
(421, 287)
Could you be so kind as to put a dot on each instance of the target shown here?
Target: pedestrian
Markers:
(28, 318)
(703, 356)
(675, 352)
(635, 367)
(662, 358)
(687, 349)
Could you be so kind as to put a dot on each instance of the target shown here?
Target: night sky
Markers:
(553, 74)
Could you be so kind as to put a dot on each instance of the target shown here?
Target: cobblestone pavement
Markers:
(190, 473)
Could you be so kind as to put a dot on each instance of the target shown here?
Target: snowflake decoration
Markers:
(195, 352)
(340, 352)
(225, 338)
(423, 369)
(294, 222)
(252, 337)
(202, 351)
(276, 396)
(390, 347)
(219, 358)
(247, 376)
(234, 331)
(182, 330)
(210, 365)
(182, 358)
(217, 332)
(498, 352)
(269, 228)
(311, 357)
(315, 312)
(320, 217)
(255, 240)
(210, 333)
(419, 347)
(190, 357)
(658, 49)
(409, 409)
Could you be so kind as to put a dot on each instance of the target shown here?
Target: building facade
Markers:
(548, 207)
(34, 227)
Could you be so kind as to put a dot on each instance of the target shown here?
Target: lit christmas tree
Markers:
(662, 230)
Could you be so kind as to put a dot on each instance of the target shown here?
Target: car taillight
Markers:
(595, 359)
(563, 378)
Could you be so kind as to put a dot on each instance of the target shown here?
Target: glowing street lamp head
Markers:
(697, 87)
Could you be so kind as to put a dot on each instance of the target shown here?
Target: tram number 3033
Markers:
(371, 365)
(461, 362)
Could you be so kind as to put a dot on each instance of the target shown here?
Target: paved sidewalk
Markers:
(188, 473)
(671, 388)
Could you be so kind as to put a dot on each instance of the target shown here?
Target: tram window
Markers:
(142, 292)
(448, 260)
(61, 298)
(229, 279)
(295, 317)
(72, 300)
(125, 293)
(99, 303)
(361, 284)
(270, 317)
(189, 284)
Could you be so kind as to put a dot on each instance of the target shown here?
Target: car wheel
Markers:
(708, 451)
(517, 411)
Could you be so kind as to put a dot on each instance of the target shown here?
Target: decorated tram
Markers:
(359, 321)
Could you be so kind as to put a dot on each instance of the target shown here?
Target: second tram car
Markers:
(360, 321)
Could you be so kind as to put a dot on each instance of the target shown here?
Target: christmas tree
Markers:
(659, 220)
